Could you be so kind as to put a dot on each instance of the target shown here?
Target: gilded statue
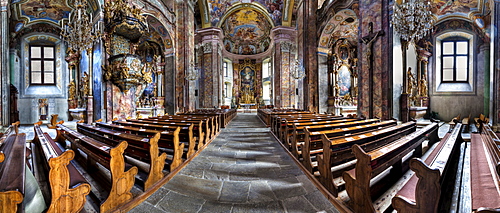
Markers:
(422, 86)
(411, 81)
(72, 90)
(337, 89)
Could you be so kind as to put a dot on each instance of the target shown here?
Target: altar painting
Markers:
(344, 81)
(247, 85)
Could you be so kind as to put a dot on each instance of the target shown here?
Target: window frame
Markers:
(42, 59)
(226, 68)
(455, 40)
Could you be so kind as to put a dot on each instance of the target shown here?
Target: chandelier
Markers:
(412, 20)
(193, 73)
(298, 71)
(79, 33)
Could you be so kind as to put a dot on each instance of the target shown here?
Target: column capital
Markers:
(281, 33)
(210, 34)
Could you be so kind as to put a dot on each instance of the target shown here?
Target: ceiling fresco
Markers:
(219, 7)
(246, 32)
(44, 10)
(444, 7)
(344, 24)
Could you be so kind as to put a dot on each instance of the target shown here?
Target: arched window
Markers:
(455, 60)
(42, 64)
(454, 70)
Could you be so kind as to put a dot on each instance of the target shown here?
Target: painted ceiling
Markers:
(219, 7)
(246, 32)
(444, 7)
(343, 24)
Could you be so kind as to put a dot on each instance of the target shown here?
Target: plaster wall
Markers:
(397, 76)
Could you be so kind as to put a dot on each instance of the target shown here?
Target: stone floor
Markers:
(243, 170)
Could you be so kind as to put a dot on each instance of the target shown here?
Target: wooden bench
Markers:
(122, 174)
(167, 138)
(359, 181)
(142, 148)
(485, 170)
(453, 122)
(466, 123)
(53, 121)
(210, 123)
(278, 121)
(423, 190)
(340, 157)
(68, 187)
(313, 144)
(287, 128)
(12, 169)
(265, 114)
(200, 130)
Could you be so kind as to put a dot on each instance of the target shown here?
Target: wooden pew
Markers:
(200, 130)
(485, 170)
(186, 133)
(278, 121)
(53, 121)
(142, 148)
(313, 144)
(339, 158)
(68, 187)
(167, 137)
(287, 128)
(372, 163)
(298, 135)
(12, 171)
(122, 174)
(422, 191)
(210, 123)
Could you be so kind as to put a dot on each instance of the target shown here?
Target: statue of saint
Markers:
(422, 87)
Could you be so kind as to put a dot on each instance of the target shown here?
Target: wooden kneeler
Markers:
(428, 188)
(122, 181)
(65, 199)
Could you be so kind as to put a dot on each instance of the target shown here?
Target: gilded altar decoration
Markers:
(127, 71)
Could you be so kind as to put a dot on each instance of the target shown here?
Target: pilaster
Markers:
(495, 63)
(285, 52)
(4, 62)
(211, 59)
(307, 47)
(184, 91)
(375, 82)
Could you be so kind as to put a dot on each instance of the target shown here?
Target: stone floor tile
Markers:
(298, 204)
(234, 191)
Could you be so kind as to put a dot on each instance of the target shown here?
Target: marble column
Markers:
(495, 63)
(184, 55)
(307, 48)
(4, 62)
(284, 56)
(375, 93)
(211, 62)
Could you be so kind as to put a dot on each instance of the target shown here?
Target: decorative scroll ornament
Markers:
(412, 20)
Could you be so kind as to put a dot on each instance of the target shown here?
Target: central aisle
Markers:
(243, 170)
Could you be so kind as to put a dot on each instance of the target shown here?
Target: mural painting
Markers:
(443, 7)
(49, 10)
(246, 32)
(344, 24)
(97, 80)
(219, 7)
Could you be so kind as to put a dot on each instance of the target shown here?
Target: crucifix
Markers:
(368, 41)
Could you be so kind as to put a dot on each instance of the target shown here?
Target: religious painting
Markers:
(344, 81)
(247, 76)
(246, 32)
(48, 10)
(247, 85)
(443, 7)
(344, 24)
(217, 8)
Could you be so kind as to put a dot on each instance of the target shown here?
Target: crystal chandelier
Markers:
(79, 33)
(412, 20)
(298, 71)
(192, 73)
